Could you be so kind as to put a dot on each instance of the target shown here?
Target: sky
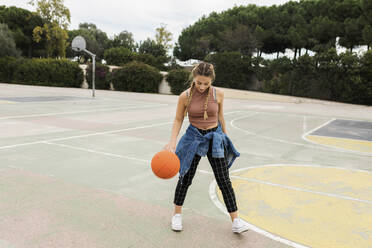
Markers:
(142, 17)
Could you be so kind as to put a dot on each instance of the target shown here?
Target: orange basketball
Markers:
(165, 164)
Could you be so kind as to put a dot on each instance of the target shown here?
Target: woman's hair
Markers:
(201, 69)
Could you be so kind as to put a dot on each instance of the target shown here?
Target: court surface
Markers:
(75, 172)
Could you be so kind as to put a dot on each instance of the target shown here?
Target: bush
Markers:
(48, 72)
(364, 92)
(7, 68)
(118, 56)
(137, 77)
(148, 59)
(327, 76)
(101, 76)
(178, 80)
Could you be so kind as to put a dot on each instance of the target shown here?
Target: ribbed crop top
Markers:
(195, 109)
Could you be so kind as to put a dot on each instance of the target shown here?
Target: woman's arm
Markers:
(221, 119)
(178, 120)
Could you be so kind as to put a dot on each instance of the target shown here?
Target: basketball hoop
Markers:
(79, 45)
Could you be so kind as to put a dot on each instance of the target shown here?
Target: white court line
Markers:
(236, 177)
(83, 136)
(148, 162)
(304, 127)
(91, 134)
(324, 124)
(209, 172)
(222, 208)
(78, 112)
(266, 137)
(302, 190)
(315, 146)
(96, 152)
(329, 146)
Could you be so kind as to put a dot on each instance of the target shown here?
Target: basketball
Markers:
(165, 164)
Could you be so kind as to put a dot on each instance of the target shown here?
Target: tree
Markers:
(259, 36)
(353, 34)
(54, 31)
(124, 39)
(367, 36)
(366, 19)
(163, 36)
(97, 40)
(324, 31)
(21, 23)
(8, 46)
(239, 39)
(151, 47)
(366, 7)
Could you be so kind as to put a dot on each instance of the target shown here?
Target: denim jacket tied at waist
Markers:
(193, 142)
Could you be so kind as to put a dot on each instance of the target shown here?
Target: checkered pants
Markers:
(221, 173)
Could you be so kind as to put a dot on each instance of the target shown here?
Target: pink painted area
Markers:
(36, 228)
(39, 211)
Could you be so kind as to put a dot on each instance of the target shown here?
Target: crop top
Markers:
(196, 109)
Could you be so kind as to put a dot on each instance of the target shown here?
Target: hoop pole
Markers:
(93, 71)
(94, 75)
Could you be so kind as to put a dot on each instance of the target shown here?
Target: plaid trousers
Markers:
(221, 173)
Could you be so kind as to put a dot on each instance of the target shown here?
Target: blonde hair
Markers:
(201, 69)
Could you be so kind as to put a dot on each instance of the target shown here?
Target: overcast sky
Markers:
(142, 17)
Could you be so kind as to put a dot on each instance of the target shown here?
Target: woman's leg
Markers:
(181, 189)
(221, 173)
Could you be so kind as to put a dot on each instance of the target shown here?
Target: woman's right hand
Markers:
(171, 146)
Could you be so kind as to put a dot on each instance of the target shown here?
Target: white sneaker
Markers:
(239, 226)
(177, 223)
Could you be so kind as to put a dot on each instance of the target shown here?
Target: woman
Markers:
(206, 135)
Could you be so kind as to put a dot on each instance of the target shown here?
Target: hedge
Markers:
(136, 76)
(48, 72)
(7, 68)
(101, 76)
(178, 80)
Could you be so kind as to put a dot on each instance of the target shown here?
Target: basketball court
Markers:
(75, 172)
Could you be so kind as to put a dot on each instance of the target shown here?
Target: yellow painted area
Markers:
(304, 213)
(349, 144)
(5, 102)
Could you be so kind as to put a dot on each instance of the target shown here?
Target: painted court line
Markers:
(291, 187)
(85, 135)
(91, 134)
(351, 139)
(96, 152)
(329, 146)
(304, 127)
(148, 162)
(222, 208)
(301, 189)
(266, 137)
(78, 112)
(324, 124)
(315, 146)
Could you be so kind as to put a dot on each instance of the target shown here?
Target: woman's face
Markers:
(202, 83)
